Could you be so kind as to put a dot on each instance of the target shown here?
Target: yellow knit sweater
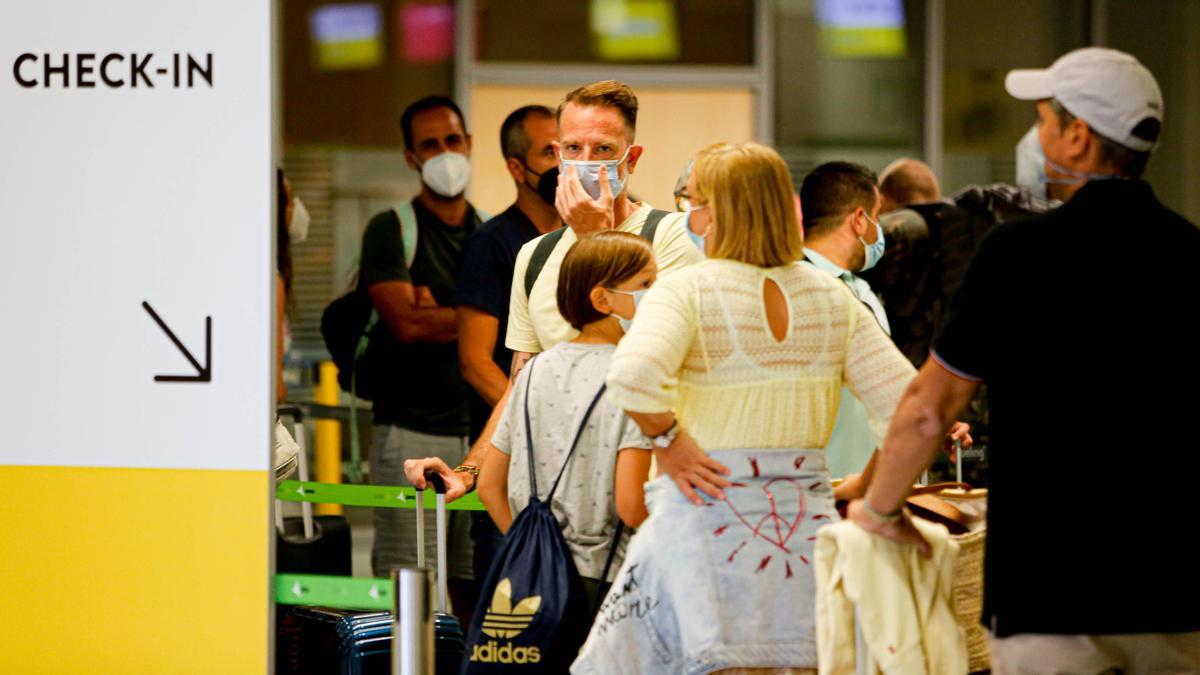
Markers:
(701, 346)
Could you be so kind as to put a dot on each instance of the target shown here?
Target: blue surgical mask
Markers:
(697, 239)
(1031, 167)
(1031, 164)
(637, 299)
(589, 174)
(872, 253)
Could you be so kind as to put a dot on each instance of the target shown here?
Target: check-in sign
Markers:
(136, 272)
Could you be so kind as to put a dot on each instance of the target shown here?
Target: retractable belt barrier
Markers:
(391, 497)
(350, 592)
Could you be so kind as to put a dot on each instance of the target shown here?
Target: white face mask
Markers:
(298, 228)
(589, 174)
(1031, 163)
(447, 174)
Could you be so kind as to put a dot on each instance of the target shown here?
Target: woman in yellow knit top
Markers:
(742, 356)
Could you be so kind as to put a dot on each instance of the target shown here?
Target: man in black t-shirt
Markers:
(527, 143)
(422, 411)
(1083, 341)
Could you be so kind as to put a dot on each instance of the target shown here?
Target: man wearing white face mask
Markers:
(1076, 594)
(410, 261)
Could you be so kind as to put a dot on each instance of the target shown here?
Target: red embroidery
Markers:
(804, 560)
(782, 526)
(815, 485)
(754, 465)
(820, 516)
(788, 566)
(720, 530)
(799, 462)
(735, 551)
(763, 565)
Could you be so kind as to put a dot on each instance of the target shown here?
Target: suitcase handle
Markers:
(293, 411)
(434, 479)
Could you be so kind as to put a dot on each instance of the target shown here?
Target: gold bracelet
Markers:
(471, 469)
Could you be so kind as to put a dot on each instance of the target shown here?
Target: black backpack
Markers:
(532, 610)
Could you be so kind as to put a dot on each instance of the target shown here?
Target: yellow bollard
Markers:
(329, 435)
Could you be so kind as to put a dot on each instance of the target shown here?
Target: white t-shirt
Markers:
(565, 381)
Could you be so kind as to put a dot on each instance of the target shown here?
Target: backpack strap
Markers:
(575, 441)
(608, 563)
(529, 430)
(541, 254)
(408, 231)
(650, 227)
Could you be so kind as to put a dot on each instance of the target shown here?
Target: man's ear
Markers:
(467, 138)
(1076, 139)
(858, 222)
(635, 153)
(411, 160)
(600, 300)
(515, 169)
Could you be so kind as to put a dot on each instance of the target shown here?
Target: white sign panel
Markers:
(136, 202)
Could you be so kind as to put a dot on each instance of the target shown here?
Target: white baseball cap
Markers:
(1110, 90)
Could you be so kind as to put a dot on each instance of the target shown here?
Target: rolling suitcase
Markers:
(365, 641)
(308, 544)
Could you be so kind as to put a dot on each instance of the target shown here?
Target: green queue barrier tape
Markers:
(386, 496)
(337, 592)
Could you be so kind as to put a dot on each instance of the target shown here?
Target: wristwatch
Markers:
(666, 438)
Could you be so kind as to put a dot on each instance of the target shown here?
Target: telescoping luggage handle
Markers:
(439, 487)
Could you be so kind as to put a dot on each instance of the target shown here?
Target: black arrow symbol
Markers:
(203, 373)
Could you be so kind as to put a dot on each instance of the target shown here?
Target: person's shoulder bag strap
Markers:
(541, 253)
(650, 227)
(408, 231)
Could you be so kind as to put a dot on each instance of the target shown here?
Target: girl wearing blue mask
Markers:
(599, 285)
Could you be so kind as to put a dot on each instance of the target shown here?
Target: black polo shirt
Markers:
(485, 282)
(1081, 320)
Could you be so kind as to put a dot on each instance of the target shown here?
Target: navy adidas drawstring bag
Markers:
(533, 614)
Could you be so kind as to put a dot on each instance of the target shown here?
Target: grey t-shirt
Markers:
(565, 380)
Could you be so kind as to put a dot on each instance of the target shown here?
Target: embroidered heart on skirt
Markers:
(785, 512)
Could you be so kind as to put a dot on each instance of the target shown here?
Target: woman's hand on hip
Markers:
(691, 469)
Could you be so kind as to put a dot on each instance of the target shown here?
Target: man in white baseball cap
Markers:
(1074, 316)
(1109, 111)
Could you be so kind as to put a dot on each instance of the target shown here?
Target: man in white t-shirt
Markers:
(597, 155)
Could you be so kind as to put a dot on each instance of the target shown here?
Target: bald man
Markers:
(907, 181)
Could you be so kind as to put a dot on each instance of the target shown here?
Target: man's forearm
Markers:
(486, 378)
(924, 415)
(480, 449)
(437, 324)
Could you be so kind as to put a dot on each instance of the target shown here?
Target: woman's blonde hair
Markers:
(748, 188)
(604, 259)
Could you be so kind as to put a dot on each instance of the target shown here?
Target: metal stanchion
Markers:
(412, 622)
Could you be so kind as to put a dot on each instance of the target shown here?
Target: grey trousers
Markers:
(1134, 654)
(396, 529)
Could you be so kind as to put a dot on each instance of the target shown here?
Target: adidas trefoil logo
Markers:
(503, 620)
